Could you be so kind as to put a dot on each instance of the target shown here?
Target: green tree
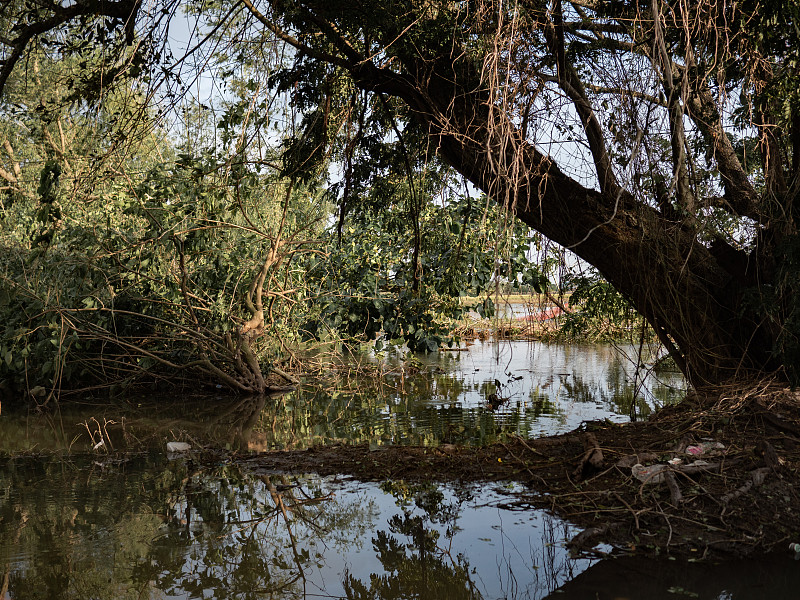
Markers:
(662, 111)
(372, 284)
(123, 262)
(657, 141)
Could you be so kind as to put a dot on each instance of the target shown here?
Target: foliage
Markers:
(606, 128)
(367, 282)
(151, 281)
(205, 265)
(655, 141)
(597, 310)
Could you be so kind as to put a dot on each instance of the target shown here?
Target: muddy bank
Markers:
(734, 496)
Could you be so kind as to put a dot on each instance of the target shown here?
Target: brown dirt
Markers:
(745, 502)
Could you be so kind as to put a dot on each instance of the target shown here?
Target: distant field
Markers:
(515, 298)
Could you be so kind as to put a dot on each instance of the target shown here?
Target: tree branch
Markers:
(675, 107)
(124, 10)
(571, 84)
(619, 91)
(292, 41)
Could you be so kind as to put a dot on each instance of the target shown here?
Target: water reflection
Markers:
(774, 577)
(143, 527)
(146, 528)
(411, 553)
(133, 424)
(546, 389)
(427, 400)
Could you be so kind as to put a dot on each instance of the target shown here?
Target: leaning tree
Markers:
(653, 139)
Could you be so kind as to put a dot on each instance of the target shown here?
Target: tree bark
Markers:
(658, 264)
(690, 290)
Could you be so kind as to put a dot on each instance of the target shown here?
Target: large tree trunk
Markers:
(449, 64)
(689, 292)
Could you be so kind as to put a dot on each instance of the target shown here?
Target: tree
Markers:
(124, 264)
(373, 283)
(660, 194)
(655, 140)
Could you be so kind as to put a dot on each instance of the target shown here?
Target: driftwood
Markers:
(697, 467)
(589, 538)
(663, 472)
(674, 489)
(756, 478)
(626, 462)
(555, 441)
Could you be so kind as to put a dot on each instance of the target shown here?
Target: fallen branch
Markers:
(756, 478)
(661, 472)
(626, 462)
(698, 467)
(674, 490)
(527, 446)
(290, 378)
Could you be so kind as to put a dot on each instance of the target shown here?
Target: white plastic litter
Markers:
(178, 447)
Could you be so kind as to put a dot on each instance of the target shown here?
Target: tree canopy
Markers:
(655, 140)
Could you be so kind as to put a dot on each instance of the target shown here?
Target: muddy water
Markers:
(110, 516)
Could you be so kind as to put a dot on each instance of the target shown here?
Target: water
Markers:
(548, 389)
(423, 399)
(148, 528)
(144, 527)
(105, 524)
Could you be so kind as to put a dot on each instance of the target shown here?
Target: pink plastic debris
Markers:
(705, 448)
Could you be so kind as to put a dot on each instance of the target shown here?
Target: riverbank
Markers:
(738, 499)
(552, 418)
(550, 318)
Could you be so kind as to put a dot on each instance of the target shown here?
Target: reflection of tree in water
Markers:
(142, 528)
(416, 560)
(616, 395)
(63, 545)
(434, 405)
(257, 537)
(313, 416)
(416, 553)
(93, 527)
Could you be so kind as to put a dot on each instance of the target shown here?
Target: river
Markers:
(91, 506)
